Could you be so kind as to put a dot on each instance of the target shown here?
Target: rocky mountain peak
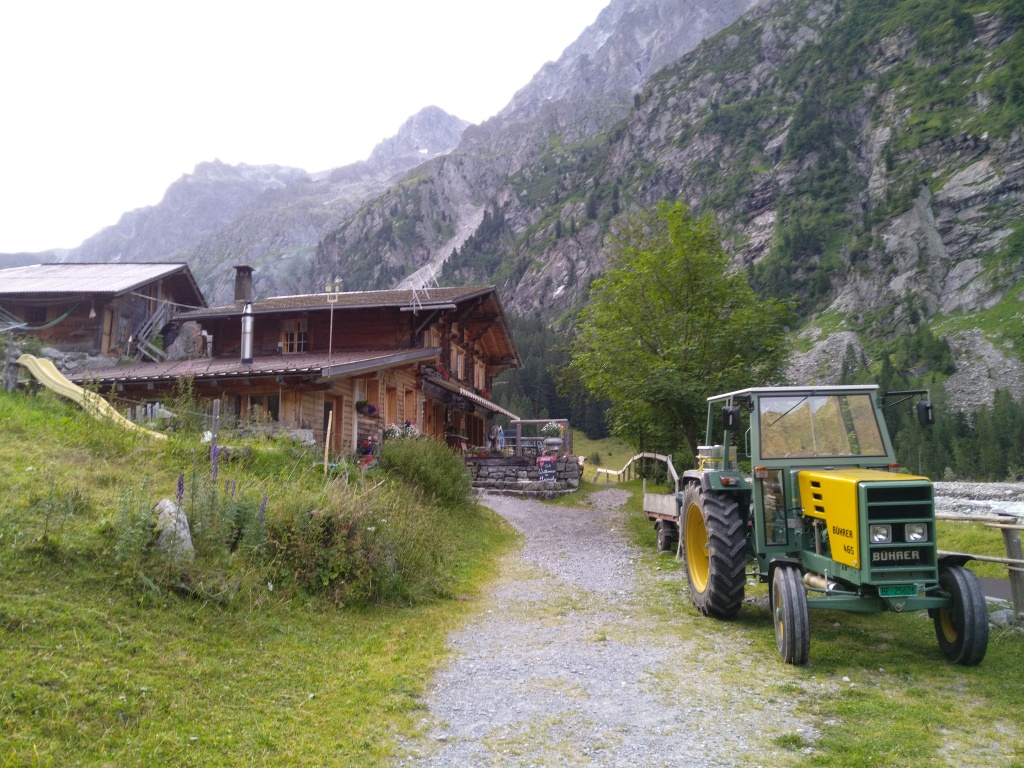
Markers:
(428, 133)
(614, 56)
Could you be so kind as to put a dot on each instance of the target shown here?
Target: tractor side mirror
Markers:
(731, 418)
(925, 413)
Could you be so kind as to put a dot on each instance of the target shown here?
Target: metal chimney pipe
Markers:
(247, 322)
(243, 283)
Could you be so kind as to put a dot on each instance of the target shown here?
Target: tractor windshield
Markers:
(819, 426)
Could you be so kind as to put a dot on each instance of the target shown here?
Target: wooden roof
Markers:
(38, 280)
(410, 300)
(477, 308)
(322, 365)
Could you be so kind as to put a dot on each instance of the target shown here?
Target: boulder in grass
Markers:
(174, 537)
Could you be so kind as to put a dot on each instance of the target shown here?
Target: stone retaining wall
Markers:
(520, 476)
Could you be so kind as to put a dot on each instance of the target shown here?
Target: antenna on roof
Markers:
(421, 284)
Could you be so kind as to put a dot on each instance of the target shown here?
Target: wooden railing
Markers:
(628, 470)
(1010, 526)
(149, 329)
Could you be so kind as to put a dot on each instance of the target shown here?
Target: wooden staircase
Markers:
(144, 346)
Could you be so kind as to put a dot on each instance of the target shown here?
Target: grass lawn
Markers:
(102, 667)
(613, 454)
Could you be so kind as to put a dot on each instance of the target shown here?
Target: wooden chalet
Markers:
(359, 361)
(98, 309)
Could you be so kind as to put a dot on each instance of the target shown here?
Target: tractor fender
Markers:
(953, 558)
(783, 561)
(696, 476)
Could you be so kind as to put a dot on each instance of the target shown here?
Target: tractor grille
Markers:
(896, 504)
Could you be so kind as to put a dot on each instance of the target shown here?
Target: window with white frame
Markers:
(458, 363)
(294, 337)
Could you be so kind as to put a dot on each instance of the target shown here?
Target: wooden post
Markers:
(327, 437)
(1011, 538)
(214, 431)
(11, 369)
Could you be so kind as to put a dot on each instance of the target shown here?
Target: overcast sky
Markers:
(105, 104)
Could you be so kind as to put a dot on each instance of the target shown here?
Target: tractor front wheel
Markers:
(790, 616)
(962, 628)
(713, 538)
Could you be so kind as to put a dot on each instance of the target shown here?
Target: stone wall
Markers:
(520, 476)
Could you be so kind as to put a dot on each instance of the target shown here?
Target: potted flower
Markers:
(366, 408)
(552, 434)
(436, 369)
(551, 429)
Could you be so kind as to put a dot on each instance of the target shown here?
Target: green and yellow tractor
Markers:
(803, 483)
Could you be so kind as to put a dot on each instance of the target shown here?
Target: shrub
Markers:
(367, 547)
(431, 467)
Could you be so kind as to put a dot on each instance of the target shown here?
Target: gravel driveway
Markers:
(565, 665)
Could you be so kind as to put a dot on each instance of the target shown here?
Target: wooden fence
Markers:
(1010, 526)
(628, 470)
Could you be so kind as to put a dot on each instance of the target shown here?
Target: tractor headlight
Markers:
(880, 534)
(915, 533)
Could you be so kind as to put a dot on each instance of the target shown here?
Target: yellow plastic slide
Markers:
(46, 373)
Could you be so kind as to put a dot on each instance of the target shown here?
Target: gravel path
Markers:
(566, 666)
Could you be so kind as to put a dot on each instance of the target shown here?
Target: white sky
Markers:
(104, 104)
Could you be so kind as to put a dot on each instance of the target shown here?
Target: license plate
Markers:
(898, 590)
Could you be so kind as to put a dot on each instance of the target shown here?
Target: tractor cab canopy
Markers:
(827, 425)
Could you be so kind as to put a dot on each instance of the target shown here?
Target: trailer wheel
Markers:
(790, 615)
(713, 539)
(667, 537)
(962, 628)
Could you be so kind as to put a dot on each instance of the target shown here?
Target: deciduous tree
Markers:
(669, 324)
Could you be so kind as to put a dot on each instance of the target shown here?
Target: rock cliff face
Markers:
(575, 99)
(866, 158)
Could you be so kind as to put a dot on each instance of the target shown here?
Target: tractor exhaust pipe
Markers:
(819, 582)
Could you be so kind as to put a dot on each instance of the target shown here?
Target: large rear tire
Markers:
(713, 541)
(962, 628)
(790, 615)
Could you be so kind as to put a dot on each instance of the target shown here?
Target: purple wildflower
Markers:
(181, 487)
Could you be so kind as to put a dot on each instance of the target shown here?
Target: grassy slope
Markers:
(98, 671)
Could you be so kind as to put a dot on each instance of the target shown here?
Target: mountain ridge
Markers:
(220, 214)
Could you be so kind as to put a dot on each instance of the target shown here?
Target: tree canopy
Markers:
(670, 324)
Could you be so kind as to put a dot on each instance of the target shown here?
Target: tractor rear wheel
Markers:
(713, 539)
(962, 628)
(790, 615)
(667, 537)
